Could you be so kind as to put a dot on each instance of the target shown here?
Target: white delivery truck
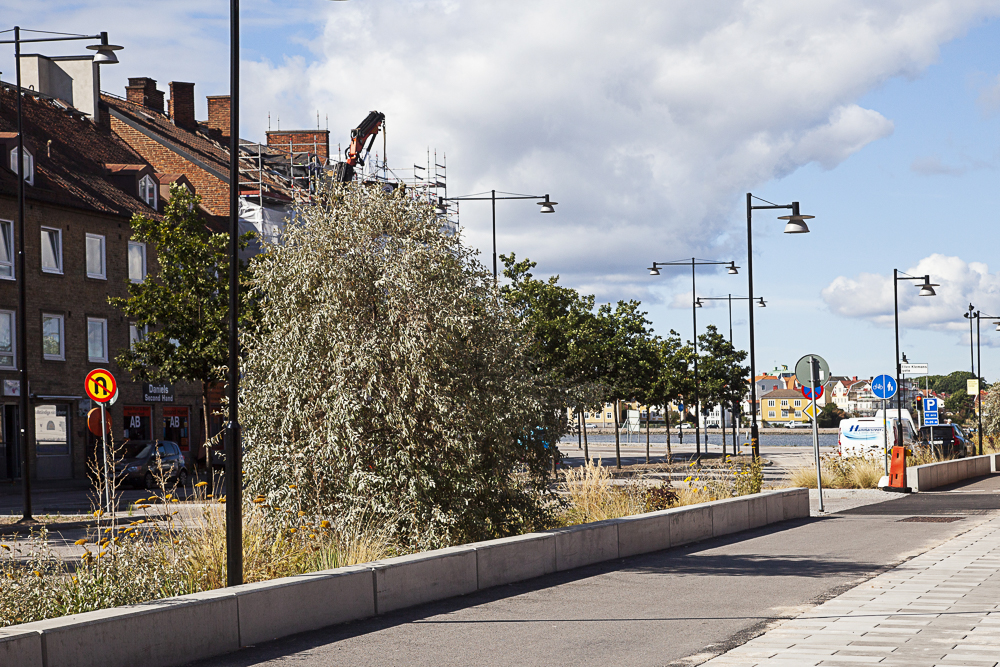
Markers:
(865, 436)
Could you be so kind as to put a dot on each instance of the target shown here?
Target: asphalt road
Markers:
(676, 607)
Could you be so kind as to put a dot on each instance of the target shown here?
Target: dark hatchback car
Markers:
(143, 460)
(946, 440)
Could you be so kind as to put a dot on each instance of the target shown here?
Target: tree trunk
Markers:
(208, 452)
(618, 448)
(666, 418)
(648, 415)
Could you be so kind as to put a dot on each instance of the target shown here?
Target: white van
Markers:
(865, 436)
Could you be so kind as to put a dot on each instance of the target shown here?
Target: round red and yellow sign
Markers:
(100, 385)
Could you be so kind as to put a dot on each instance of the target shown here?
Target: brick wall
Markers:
(312, 141)
(213, 191)
(142, 90)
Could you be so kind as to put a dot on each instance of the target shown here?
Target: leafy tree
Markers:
(723, 378)
(830, 416)
(183, 303)
(671, 376)
(387, 379)
(951, 383)
(959, 405)
(626, 356)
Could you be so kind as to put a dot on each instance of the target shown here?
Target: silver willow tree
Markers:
(386, 379)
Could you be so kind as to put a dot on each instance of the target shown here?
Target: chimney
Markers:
(76, 80)
(182, 105)
(218, 114)
(313, 142)
(142, 90)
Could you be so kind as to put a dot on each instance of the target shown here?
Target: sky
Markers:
(648, 122)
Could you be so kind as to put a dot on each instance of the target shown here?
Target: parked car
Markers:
(143, 459)
(946, 440)
(798, 424)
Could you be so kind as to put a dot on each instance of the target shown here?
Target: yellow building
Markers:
(784, 405)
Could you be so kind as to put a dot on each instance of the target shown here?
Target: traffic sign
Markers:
(931, 411)
(913, 369)
(884, 387)
(94, 421)
(808, 392)
(809, 412)
(803, 372)
(100, 385)
(972, 387)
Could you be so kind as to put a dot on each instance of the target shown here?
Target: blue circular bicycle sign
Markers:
(884, 386)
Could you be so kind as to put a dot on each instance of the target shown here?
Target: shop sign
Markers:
(157, 393)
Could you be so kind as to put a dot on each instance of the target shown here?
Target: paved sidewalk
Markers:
(940, 608)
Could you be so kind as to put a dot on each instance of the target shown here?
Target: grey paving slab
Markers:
(938, 623)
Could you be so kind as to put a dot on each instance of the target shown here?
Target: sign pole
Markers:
(814, 367)
(885, 434)
(107, 482)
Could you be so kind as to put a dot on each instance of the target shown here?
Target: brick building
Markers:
(83, 185)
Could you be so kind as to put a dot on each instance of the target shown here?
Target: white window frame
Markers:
(770, 402)
(151, 188)
(128, 258)
(784, 402)
(59, 255)
(104, 338)
(13, 339)
(62, 337)
(10, 250)
(29, 169)
(136, 334)
(103, 275)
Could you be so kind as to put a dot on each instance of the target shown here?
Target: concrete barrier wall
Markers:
(217, 622)
(932, 475)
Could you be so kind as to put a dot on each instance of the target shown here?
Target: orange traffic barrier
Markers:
(897, 470)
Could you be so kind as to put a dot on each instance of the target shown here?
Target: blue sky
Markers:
(648, 122)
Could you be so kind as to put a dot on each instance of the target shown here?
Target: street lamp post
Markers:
(979, 362)
(105, 56)
(796, 225)
(730, 298)
(546, 207)
(655, 271)
(926, 289)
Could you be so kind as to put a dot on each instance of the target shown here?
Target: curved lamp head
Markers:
(998, 325)
(761, 303)
(105, 53)
(927, 288)
(698, 303)
(796, 222)
(732, 270)
(547, 206)
(441, 208)
(653, 271)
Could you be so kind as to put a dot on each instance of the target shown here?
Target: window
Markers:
(784, 413)
(136, 261)
(609, 415)
(6, 249)
(147, 191)
(770, 403)
(52, 337)
(51, 250)
(136, 334)
(770, 413)
(97, 339)
(586, 415)
(7, 348)
(29, 165)
(51, 434)
(784, 402)
(798, 414)
(95, 257)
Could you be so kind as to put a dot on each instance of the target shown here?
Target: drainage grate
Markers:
(930, 519)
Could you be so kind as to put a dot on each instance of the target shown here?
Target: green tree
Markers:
(626, 356)
(959, 405)
(387, 380)
(671, 376)
(951, 383)
(830, 416)
(183, 303)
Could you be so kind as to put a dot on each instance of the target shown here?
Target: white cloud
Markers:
(646, 120)
(869, 296)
